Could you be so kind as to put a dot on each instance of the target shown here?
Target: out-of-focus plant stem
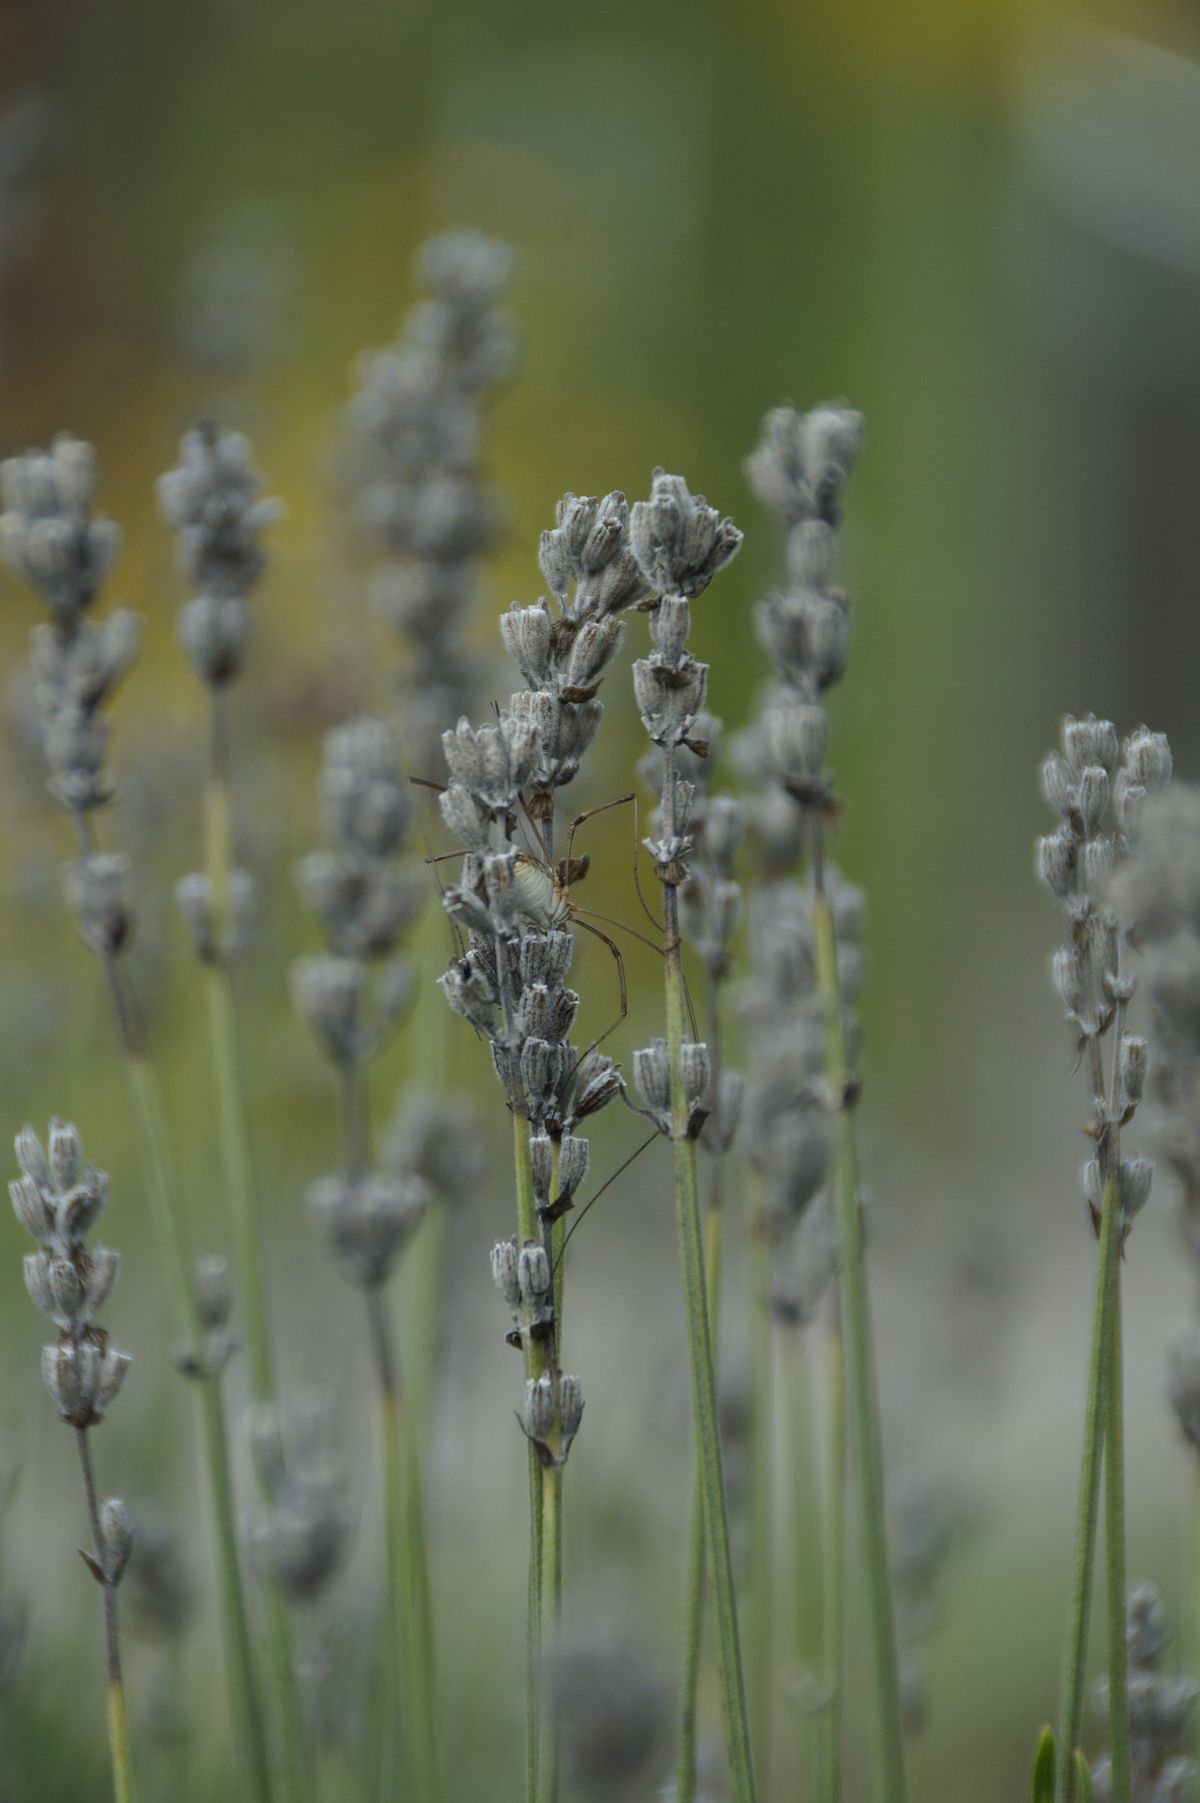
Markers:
(863, 1408)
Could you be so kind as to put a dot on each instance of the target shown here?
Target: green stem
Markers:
(695, 1590)
(118, 1738)
(700, 1358)
(1099, 1367)
(863, 1425)
(551, 1607)
(761, 1638)
(834, 1613)
(795, 1345)
(1114, 1545)
(245, 1704)
(411, 1688)
(227, 1063)
(527, 1229)
(234, 1131)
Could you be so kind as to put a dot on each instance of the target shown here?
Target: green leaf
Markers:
(1084, 1789)
(1041, 1776)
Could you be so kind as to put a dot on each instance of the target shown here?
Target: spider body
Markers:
(543, 893)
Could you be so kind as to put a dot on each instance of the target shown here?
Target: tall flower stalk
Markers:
(366, 900)
(800, 470)
(58, 1199)
(516, 912)
(709, 910)
(211, 501)
(51, 539)
(681, 544)
(1096, 787)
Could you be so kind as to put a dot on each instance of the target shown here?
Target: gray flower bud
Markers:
(505, 1273)
(652, 1076)
(539, 1408)
(1137, 1175)
(1132, 1069)
(1093, 798)
(570, 1408)
(116, 1533)
(572, 1163)
(1148, 758)
(695, 1069)
(213, 1290)
(66, 1154)
(1089, 741)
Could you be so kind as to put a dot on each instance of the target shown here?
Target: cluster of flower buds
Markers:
(365, 899)
(652, 1074)
(1162, 1710)
(50, 539)
(212, 1295)
(368, 1219)
(922, 1524)
(300, 1535)
(415, 426)
(799, 470)
(789, 1111)
(211, 500)
(594, 577)
(58, 1199)
(553, 1402)
(681, 543)
(1157, 889)
(1097, 787)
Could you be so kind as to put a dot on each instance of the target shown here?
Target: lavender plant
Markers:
(366, 900)
(681, 543)
(1096, 786)
(1162, 1708)
(58, 1200)
(50, 538)
(416, 428)
(800, 470)
(511, 985)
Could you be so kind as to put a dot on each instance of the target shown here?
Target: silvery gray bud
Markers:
(1066, 972)
(1137, 1175)
(106, 1268)
(533, 1273)
(213, 1291)
(71, 1374)
(30, 1208)
(596, 644)
(328, 993)
(82, 1205)
(1132, 1069)
(214, 636)
(37, 1281)
(1093, 1185)
(1089, 741)
(32, 1158)
(724, 824)
(65, 1155)
(651, 1073)
(570, 1408)
(526, 632)
(116, 1533)
(695, 1068)
(539, 1408)
(1098, 860)
(1148, 758)
(1058, 784)
(572, 1163)
(67, 1290)
(541, 1159)
(1093, 798)
(504, 1273)
(114, 1368)
(596, 1082)
(464, 757)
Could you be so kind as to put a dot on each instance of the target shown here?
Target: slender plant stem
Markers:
(245, 1204)
(1099, 1367)
(863, 1424)
(804, 1500)
(1114, 1547)
(410, 1635)
(696, 1586)
(118, 1739)
(527, 1229)
(245, 1703)
(551, 1606)
(700, 1357)
(227, 1063)
(761, 1635)
(833, 1615)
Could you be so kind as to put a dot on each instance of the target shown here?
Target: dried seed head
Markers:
(678, 539)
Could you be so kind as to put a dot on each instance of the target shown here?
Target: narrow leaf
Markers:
(1041, 1776)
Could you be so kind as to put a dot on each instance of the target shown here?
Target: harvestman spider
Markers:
(542, 892)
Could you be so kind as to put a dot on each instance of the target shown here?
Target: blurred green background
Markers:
(976, 222)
